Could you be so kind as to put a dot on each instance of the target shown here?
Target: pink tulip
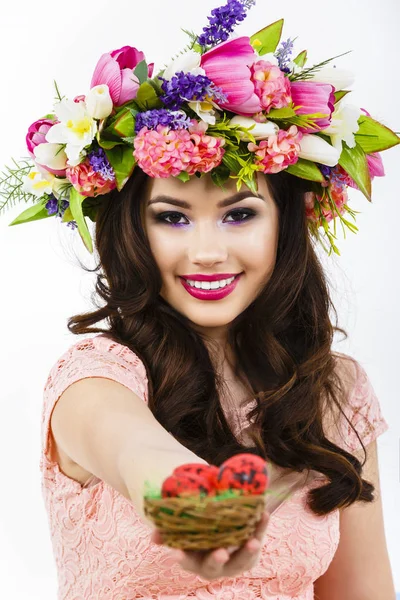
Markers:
(313, 97)
(37, 134)
(375, 168)
(115, 69)
(228, 66)
(375, 165)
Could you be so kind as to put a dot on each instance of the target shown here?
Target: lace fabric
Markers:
(102, 548)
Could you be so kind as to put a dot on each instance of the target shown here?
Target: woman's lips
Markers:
(217, 294)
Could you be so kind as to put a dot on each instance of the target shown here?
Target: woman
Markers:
(270, 337)
(209, 373)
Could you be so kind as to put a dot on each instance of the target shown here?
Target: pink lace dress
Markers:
(102, 548)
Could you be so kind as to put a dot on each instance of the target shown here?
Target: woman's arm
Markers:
(360, 569)
(110, 431)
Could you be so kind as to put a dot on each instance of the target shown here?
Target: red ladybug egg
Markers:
(210, 472)
(181, 486)
(246, 472)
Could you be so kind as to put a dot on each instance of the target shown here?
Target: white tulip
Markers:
(184, 62)
(341, 79)
(318, 150)
(98, 102)
(260, 131)
(51, 155)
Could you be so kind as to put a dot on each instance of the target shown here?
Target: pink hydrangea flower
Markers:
(163, 152)
(87, 181)
(278, 151)
(207, 153)
(271, 85)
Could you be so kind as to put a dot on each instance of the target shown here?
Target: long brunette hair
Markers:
(282, 344)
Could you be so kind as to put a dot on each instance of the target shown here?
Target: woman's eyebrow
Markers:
(223, 203)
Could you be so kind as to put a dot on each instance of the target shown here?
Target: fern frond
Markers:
(307, 73)
(11, 183)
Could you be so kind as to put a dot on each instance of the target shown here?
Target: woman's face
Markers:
(190, 232)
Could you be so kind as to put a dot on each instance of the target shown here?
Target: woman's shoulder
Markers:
(98, 356)
(359, 403)
(102, 347)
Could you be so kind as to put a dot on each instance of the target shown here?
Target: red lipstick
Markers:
(217, 294)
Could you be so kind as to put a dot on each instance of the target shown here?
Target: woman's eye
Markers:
(177, 215)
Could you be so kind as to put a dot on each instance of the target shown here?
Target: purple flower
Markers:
(99, 163)
(151, 118)
(283, 54)
(53, 207)
(325, 170)
(223, 21)
(187, 87)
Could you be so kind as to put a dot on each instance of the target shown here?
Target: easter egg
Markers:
(210, 472)
(186, 485)
(245, 472)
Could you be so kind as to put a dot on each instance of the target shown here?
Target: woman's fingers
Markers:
(244, 558)
(223, 563)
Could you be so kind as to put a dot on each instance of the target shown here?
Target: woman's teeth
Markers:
(210, 285)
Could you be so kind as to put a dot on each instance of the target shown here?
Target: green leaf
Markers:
(306, 169)
(33, 213)
(125, 125)
(123, 162)
(67, 216)
(372, 136)
(281, 113)
(108, 144)
(147, 98)
(301, 59)
(340, 95)
(231, 162)
(75, 204)
(251, 182)
(220, 175)
(267, 39)
(141, 71)
(90, 207)
(354, 162)
(183, 176)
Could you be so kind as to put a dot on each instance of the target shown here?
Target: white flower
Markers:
(204, 110)
(76, 129)
(344, 124)
(39, 182)
(186, 62)
(261, 131)
(341, 79)
(51, 155)
(34, 183)
(318, 150)
(98, 102)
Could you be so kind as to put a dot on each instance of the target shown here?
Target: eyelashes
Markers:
(162, 217)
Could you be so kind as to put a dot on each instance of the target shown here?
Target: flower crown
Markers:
(230, 106)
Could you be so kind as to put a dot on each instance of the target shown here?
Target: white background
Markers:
(42, 284)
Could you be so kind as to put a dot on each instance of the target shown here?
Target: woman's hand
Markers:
(221, 562)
